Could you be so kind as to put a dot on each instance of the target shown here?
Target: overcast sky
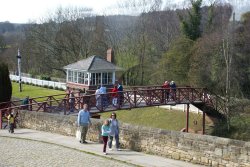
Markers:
(24, 11)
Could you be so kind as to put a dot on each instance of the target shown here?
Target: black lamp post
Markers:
(19, 69)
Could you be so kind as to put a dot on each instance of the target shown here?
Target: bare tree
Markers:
(66, 36)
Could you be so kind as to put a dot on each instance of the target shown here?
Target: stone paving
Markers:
(27, 147)
(28, 153)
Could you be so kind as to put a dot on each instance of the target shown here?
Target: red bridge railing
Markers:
(134, 98)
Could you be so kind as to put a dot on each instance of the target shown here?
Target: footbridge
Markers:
(133, 97)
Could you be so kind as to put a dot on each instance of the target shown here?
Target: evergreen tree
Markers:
(191, 27)
(5, 84)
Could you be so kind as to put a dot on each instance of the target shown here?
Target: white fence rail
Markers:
(40, 82)
(182, 107)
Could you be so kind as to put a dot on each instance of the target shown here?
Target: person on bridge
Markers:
(105, 134)
(114, 95)
(98, 97)
(104, 98)
(71, 101)
(120, 93)
(25, 102)
(114, 131)
(166, 86)
(83, 121)
(173, 89)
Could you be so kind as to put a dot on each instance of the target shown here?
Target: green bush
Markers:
(45, 86)
(5, 83)
(51, 87)
(45, 77)
(61, 89)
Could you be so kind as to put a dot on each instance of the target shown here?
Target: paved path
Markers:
(47, 149)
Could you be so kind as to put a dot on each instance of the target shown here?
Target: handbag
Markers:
(78, 134)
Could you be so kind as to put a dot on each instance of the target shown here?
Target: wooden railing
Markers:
(134, 98)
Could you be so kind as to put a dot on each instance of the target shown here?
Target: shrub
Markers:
(5, 83)
(51, 87)
(45, 77)
(61, 89)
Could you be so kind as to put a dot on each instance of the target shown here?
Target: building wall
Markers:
(195, 148)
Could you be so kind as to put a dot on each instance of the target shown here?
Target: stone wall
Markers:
(195, 148)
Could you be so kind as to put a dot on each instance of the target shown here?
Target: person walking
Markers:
(83, 121)
(105, 134)
(11, 122)
(114, 131)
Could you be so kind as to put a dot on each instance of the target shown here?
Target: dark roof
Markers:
(93, 63)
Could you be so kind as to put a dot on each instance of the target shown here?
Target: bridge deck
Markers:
(135, 98)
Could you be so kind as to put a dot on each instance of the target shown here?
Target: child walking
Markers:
(11, 121)
(105, 134)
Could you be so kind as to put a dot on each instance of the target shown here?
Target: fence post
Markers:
(163, 95)
(102, 101)
(187, 117)
(82, 101)
(135, 98)
(78, 102)
(30, 104)
(44, 107)
(64, 106)
(1, 119)
(50, 101)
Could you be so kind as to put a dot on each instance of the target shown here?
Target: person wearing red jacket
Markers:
(114, 95)
(166, 86)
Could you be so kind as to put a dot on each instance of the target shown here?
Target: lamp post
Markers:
(19, 69)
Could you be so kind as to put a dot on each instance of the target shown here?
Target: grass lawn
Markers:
(33, 91)
(158, 118)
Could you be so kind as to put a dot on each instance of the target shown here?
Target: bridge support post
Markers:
(187, 117)
(203, 122)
